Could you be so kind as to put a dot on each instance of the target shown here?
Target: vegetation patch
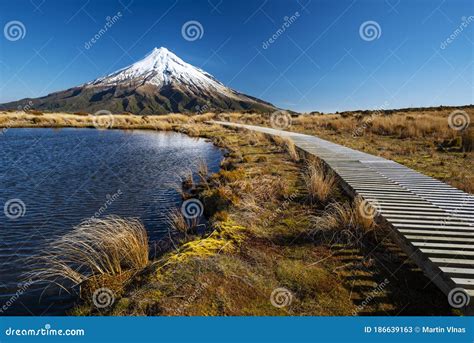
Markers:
(266, 250)
(278, 228)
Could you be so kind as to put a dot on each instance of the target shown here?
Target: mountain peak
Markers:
(162, 68)
(160, 82)
(162, 51)
(159, 49)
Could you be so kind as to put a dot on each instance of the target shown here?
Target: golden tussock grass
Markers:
(177, 222)
(319, 182)
(291, 149)
(97, 247)
(289, 146)
(256, 138)
(256, 243)
(117, 121)
(401, 124)
(256, 192)
(421, 139)
(203, 170)
(346, 223)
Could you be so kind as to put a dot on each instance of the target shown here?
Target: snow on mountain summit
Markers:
(159, 83)
(161, 67)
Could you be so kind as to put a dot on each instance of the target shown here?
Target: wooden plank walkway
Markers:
(430, 220)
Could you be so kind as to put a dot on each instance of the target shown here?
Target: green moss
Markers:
(122, 305)
(303, 279)
(252, 250)
(200, 248)
(222, 240)
(315, 287)
(81, 310)
(229, 231)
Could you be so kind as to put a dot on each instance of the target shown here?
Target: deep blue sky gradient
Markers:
(319, 63)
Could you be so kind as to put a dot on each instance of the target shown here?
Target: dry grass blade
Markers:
(288, 145)
(319, 183)
(345, 223)
(468, 140)
(255, 192)
(179, 224)
(291, 149)
(364, 214)
(203, 170)
(109, 246)
(256, 138)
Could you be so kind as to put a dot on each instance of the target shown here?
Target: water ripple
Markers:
(64, 176)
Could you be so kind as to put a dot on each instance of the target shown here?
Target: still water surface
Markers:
(53, 179)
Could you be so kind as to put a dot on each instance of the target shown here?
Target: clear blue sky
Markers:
(320, 62)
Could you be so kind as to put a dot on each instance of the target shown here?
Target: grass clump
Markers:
(258, 242)
(106, 247)
(256, 138)
(346, 223)
(181, 225)
(419, 138)
(289, 146)
(467, 144)
(291, 149)
(320, 183)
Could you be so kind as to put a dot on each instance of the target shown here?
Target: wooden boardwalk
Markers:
(430, 220)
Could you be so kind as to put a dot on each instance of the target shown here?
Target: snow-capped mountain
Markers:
(159, 83)
(161, 68)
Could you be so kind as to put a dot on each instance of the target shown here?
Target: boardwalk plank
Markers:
(432, 221)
